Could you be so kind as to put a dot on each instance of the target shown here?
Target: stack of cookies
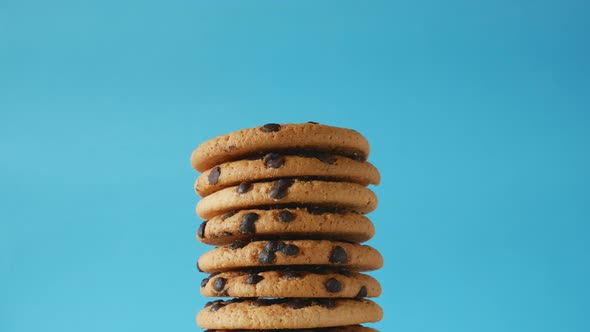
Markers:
(285, 205)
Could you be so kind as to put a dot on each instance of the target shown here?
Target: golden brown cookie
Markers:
(287, 283)
(275, 166)
(350, 256)
(275, 138)
(296, 223)
(297, 313)
(349, 196)
(350, 328)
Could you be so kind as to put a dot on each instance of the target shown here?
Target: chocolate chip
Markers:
(274, 245)
(362, 292)
(219, 283)
(326, 158)
(244, 187)
(286, 216)
(216, 306)
(327, 303)
(312, 122)
(291, 274)
(333, 285)
(227, 215)
(279, 188)
(298, 303)
(247, 225)
(201, 231)
(214, 302)
(266, 257)
(214, 175)
(253, 279)
(273, 160)
(338, 255)
(204, 282)
(237, 245)
(290, 250)
(270, 127)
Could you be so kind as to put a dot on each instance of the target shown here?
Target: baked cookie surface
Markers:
(294, 223)
(279, 137)
(350, 328)
(295, 253)
(345, 195)
(297, 313)
(275, 166)
(291, 283)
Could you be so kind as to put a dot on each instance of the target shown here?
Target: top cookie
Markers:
(274, 137)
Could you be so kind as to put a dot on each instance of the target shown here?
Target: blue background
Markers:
(478, 115)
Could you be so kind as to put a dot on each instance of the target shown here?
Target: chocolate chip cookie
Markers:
(344, 195)
(273, 166)
(289, 223)
(350, 256)
(315, 282)
(350, 328)
(299, 313)
(274, 137)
